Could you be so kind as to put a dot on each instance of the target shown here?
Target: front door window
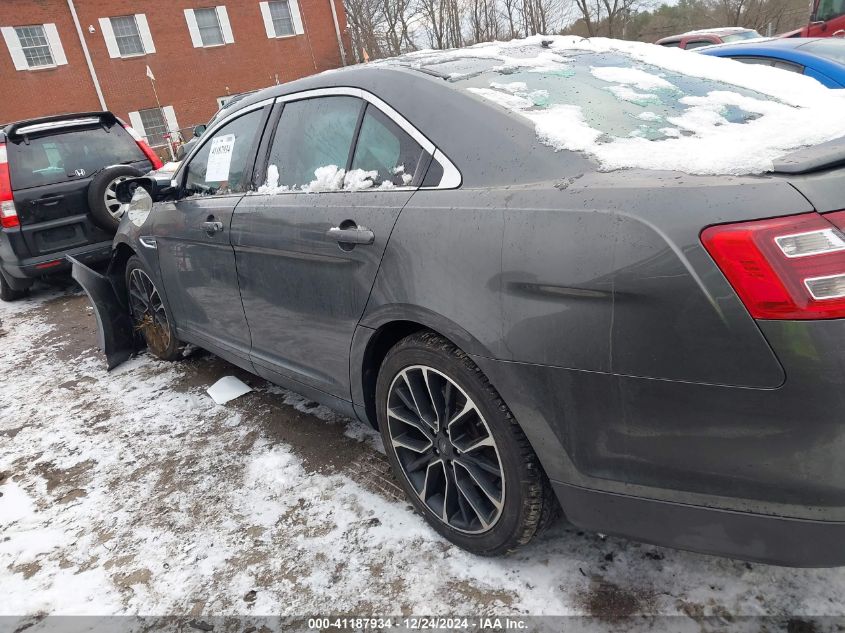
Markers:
(221, 164)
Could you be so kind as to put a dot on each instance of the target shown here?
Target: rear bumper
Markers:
(751, 473)
(33, 267)
(744, 535)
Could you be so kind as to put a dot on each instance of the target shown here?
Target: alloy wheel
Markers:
(114, 206)
(445, 449)
(148, 311)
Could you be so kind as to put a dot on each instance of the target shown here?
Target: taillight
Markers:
(784, 268)
(148, 151)
(8, 212)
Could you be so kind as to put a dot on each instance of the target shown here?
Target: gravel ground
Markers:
(131, 492)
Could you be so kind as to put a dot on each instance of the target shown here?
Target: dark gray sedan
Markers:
(543, 271)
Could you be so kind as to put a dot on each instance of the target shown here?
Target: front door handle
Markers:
(350, 234)
(211, 227)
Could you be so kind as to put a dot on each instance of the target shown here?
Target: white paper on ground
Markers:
(220, 158)
(227, 388)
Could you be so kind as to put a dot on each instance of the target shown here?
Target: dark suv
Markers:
(57, 180)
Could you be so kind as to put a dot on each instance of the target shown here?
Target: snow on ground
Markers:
(774, 112)
(133, 493)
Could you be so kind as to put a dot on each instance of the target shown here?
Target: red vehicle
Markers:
(826, 20)
(708, 37)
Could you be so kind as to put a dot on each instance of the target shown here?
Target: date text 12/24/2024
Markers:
(486, 623)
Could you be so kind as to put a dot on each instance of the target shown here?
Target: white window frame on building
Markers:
(168, 118)
(142, 28)
(267, 10)
(18, 46)
(197, 33)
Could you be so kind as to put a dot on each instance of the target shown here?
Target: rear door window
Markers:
(60, 156)
(385, 151)
(313, 141)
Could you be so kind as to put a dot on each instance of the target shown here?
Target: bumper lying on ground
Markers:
(115, 335)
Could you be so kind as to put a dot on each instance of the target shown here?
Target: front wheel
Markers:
(149, 314)
(457, 450)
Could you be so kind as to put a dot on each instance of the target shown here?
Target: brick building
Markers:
(76, 55)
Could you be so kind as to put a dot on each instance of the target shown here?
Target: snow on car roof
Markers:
(637, 105)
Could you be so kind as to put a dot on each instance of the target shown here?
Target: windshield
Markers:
(829, 9)
(629, 104)
(737, 37)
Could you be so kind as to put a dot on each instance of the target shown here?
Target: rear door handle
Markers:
(211, 227)
(350, 233)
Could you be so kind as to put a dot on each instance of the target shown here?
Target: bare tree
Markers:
(535, 14)
(442, 20)
(510, 11)
(397, 16)
(590, 14)
(365, 21)
(483, 20)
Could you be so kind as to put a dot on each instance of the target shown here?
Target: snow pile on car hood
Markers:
(779, 111)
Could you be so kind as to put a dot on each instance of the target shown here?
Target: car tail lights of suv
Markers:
(8, 213)
(144, 146)
(784, 268)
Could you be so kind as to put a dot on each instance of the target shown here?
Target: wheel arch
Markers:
(378, 333)
(121, 253)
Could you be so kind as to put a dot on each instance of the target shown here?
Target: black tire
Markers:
(527, 503)
(105, 217)
(151, 317)
(7, 293)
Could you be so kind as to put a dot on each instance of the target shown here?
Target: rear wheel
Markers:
(150, 316)
(457, 450)
(7, 293)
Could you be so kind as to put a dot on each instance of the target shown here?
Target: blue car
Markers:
(820, 58)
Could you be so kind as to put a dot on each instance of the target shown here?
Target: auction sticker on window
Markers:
(220, 158)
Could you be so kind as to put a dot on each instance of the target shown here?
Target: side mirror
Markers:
(200, 130)
(180, 153)
(158, 190)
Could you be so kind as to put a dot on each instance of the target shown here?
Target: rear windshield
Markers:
(616, 98)
(60, 156)
(829, 48)
(636, 105)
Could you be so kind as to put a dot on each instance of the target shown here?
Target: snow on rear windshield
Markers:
(636, 105)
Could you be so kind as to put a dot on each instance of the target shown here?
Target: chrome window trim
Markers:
(451, 178)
